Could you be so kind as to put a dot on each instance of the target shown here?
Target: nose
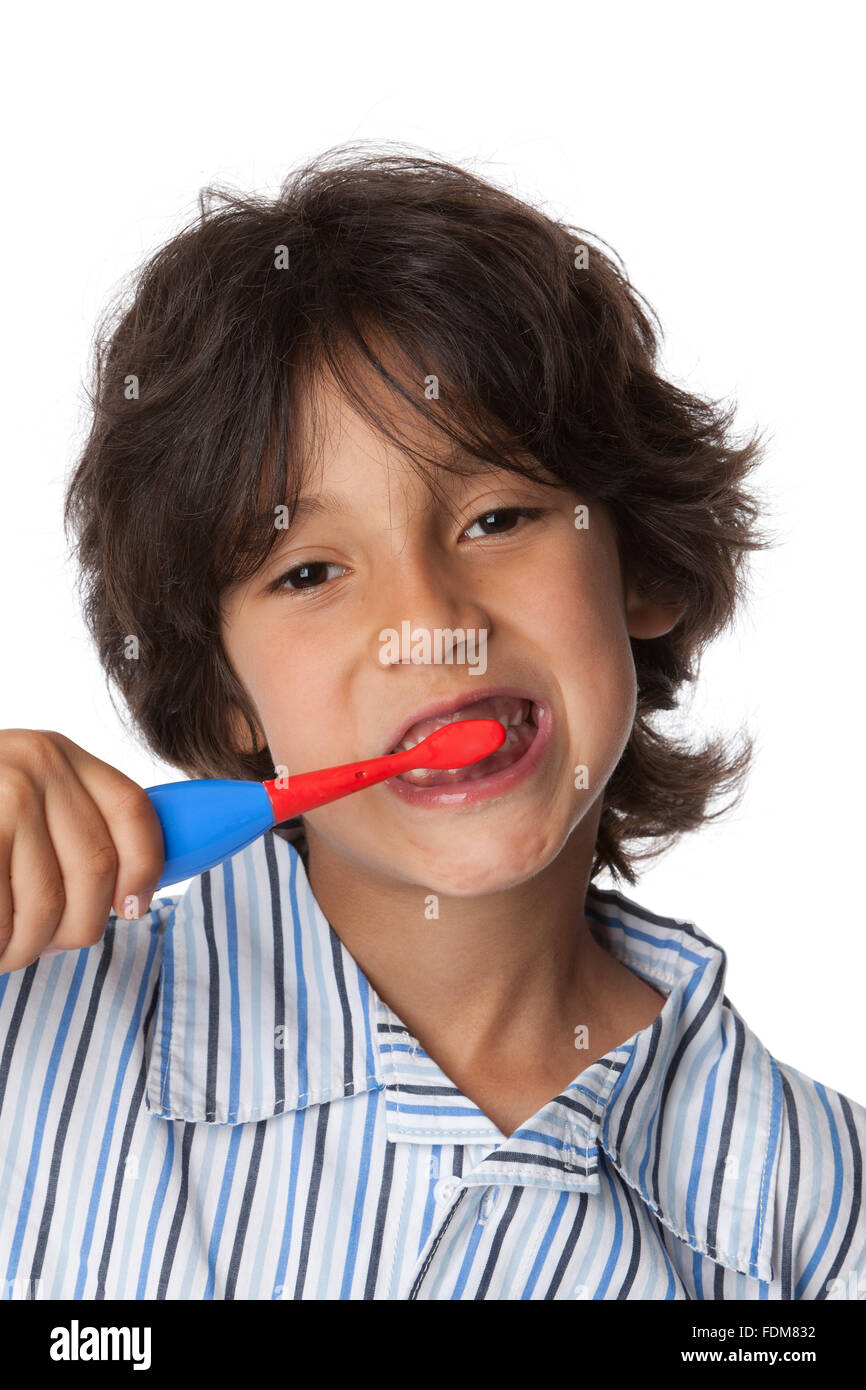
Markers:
(426, 613)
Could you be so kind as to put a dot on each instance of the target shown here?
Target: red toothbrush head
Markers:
(452, 746)
(458, 745)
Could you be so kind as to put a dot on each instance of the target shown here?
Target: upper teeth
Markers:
(501, 707)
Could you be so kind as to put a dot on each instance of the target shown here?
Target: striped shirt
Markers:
(214, 1103)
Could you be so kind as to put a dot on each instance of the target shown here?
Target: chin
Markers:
(489, 864)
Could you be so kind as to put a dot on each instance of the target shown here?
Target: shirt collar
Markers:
(261, 1010)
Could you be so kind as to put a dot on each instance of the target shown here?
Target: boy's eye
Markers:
(533, 513)
(307, 572)
(310, 570)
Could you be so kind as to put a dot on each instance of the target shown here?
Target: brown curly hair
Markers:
(547, 355)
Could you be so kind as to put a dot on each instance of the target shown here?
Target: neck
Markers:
(491, 981)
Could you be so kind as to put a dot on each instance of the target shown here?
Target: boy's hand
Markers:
(77, 838)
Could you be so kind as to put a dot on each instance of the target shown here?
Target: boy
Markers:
(402, 1047)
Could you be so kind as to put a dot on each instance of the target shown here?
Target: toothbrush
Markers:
(207, 820)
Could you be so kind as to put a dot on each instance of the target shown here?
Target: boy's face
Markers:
(548, 598)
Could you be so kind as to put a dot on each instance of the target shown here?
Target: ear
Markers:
(648, 619)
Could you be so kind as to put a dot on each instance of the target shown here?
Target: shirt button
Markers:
(570, 1157)
(488, 1203)
(446, 1189)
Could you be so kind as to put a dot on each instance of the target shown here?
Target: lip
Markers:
(497, 784)
(450, 704)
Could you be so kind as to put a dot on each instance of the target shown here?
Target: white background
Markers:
(716, 150)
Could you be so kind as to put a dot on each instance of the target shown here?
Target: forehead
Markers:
(362, 413)
(353, 427)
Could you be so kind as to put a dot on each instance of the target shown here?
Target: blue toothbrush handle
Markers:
(205, 821)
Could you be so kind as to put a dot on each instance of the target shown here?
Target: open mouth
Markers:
(519, 717)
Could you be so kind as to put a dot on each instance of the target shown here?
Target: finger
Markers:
(126, 816)
(32, 896)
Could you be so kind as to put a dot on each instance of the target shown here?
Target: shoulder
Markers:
(53, 986)
(820, 1212)
(794, 1146)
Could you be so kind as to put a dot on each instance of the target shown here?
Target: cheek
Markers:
(297, 701)
(600, 687)
(583, 622)
(576, 605)
(279, 679)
